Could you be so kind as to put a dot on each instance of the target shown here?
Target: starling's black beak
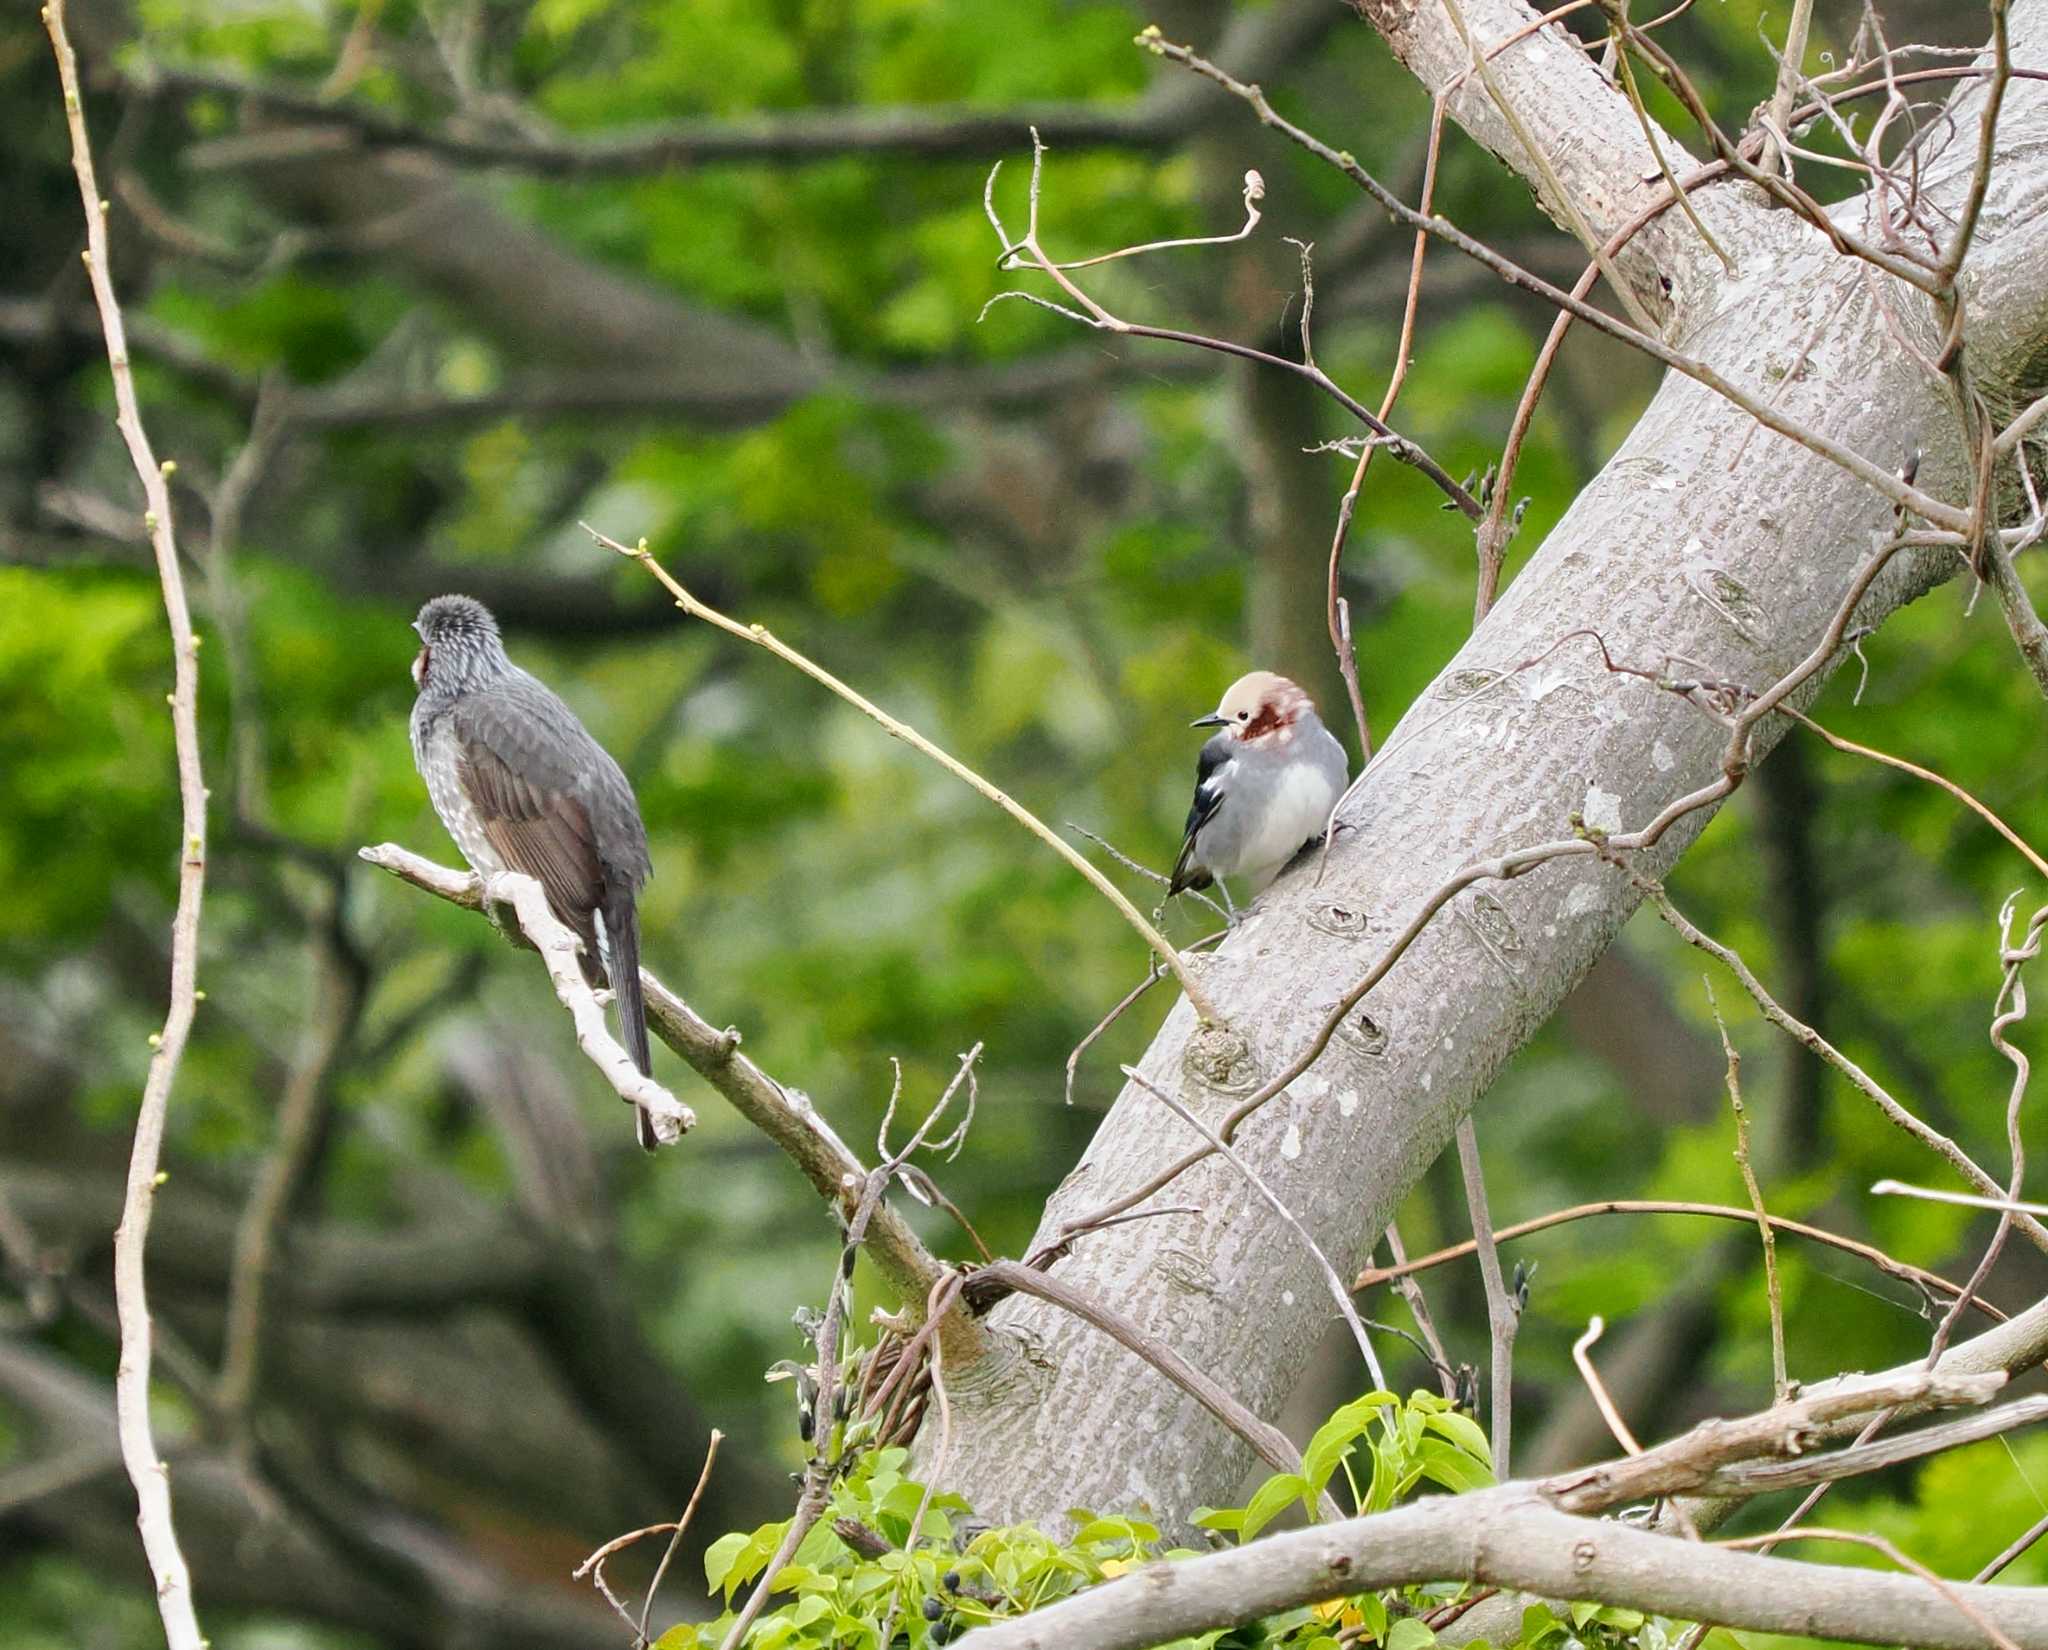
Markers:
(1215, 719)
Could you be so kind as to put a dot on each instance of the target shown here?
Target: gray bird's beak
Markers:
(1215, 719)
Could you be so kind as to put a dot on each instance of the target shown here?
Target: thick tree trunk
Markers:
(1706, 539)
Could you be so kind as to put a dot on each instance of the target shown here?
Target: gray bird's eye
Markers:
(1244, 716)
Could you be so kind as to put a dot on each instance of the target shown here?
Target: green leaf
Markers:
(719, 1557)
(1539, 1621)
(1466, 1433)
(1451, 1467)
(1372, 1610)
(1336, 1435)
(1272, 1500)
(1409, 1633)
(1219, 1518)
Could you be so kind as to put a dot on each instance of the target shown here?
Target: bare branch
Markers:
(1930, 1137)
(1258, 41)
(1509, 1537)
(1270, 1443)
(1582, 1350)
(785, 1115)
(759, 636)
(1873, 475)
(1503, 1316)
(1779, 1386)
(146, 1469)
(1338, 1292)
(1920, 1278)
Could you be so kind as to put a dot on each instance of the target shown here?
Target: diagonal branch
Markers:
(760, 636)
(785, 1115)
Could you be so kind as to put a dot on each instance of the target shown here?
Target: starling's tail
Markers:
(622, 939)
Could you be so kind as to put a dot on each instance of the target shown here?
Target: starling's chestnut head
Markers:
(459, 643)
(1259, 709)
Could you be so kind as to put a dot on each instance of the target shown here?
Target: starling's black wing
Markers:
(1208, 798)
(536, 826)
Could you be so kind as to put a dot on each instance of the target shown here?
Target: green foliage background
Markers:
(1049, 585)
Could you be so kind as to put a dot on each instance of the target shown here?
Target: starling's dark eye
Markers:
(1244, 716)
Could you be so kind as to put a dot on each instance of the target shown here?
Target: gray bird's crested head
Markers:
(1260, 709)
(459, 644)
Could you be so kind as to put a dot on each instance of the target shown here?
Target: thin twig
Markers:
(1557, 196)
(1935, 1141)
(2006, 1012)
(1963, 1200)
(1254, 192)
(1875, 476)
(1969, 801)
(1919, 1277)
(2033, 1533)
(682, 1524)
(1418, 1308)
(824, 1466)
(593, 1566)
(1337, 609)
(1987, 144)
(1502, 1314)
(1267, 1441)
(146, 1467)
(1090, 313)
(1273, 1201)
(1878, 1544)
(1788, 78)
(761, 637)
(1779, 1387)
(1582, 1356)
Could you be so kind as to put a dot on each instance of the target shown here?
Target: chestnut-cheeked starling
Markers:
(1264, 786)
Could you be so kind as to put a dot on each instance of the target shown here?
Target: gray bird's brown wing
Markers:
(537, 828)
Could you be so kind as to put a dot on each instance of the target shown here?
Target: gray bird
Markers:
(1264, 786)
(522, 786)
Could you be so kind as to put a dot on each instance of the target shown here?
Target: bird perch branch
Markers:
(784, 1115)
(558, 948)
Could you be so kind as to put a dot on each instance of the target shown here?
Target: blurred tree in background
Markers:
(414, 288)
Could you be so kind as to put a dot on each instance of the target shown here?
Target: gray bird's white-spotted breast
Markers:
(434, 749)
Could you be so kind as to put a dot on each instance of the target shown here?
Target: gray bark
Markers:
(1706, 539)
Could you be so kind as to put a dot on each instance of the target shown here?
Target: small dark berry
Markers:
(933, 1609)
(950, 1581)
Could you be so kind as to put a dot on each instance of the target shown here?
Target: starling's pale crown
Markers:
(1259, 708)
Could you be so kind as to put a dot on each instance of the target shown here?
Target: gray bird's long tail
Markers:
(622, 939)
